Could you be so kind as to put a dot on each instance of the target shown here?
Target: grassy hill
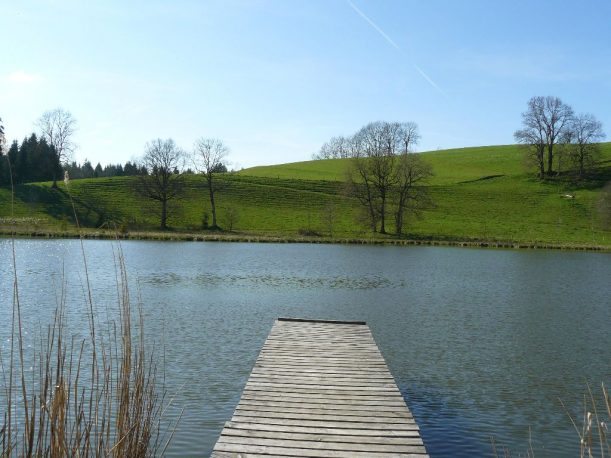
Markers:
(483, 193)
(451, 166)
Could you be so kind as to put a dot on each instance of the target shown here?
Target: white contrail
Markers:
(426, 77)
(394, 45)
(374, 25)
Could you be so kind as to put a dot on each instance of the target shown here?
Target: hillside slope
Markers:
(482, 193)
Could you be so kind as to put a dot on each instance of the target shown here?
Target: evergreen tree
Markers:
(130, 169)
(3, 166)
(20, 163)
(12, 158)
(2, 138)
(34, 160)
(87, 169)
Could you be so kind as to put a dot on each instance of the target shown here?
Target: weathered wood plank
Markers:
(407, 432)
(344, 381)
(325, 394)
(321, 404)
(243, 408)
(305, 373)
(313, 321)
(310, 453)
(378, 402)
(386, 440)
(318, 416)
(321, 386)
(319, 445)
(320, 389)
(391, 424)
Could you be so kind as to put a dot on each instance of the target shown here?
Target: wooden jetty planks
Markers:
(320, 389)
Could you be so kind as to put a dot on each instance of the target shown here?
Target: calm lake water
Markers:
(482, 343)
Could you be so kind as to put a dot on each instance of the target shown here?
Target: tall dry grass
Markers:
(593, 430)
(98, 396)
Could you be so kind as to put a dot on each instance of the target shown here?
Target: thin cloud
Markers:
(21, 77)
(394, 45)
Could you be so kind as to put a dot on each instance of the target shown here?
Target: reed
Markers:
(594, 429)
(98, 396)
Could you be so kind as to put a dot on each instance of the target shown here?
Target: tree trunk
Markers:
(399, 221)
(212, 205)
(400, 212)
(550, 159)
(371, 209)
(540, 154)
(213, 209)
(164, 214)
(383, 215)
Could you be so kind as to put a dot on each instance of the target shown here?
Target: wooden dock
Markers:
(320, 389)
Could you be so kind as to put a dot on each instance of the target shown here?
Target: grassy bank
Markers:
(245, 237)
(481, 195)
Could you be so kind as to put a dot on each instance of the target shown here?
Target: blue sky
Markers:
(276, 79)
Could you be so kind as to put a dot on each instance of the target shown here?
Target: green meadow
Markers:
(481, 193)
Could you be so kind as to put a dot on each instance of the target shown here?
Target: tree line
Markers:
(47, 155)
(87, 170)
(33, 160)
(36, 160)
(557, 139)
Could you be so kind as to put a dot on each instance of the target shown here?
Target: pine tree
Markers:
(98, 172)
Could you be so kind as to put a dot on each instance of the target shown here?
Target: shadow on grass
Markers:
(488, 177)
(592, 180)
(56, 203)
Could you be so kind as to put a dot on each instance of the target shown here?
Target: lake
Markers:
(482, 343)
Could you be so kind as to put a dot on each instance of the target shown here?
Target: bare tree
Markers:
(359, 182)
(164, 181)
(409, 136)
(377, 172)
(335, 148)
(231, 217)
(209, 157)
(324, 152)
(379, 140)
(412, 173)
(545, 124)
(585, 132)
(329, 216)
(57, 127)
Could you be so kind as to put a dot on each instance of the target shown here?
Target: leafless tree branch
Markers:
(209, 159)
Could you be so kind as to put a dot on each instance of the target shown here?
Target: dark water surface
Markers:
(482, 342)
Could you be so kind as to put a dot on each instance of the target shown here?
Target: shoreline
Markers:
(90, 234)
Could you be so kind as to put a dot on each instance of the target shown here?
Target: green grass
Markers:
(451, 166)
(483, 193)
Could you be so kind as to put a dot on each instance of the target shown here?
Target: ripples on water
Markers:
(482, 342)
(272, 281)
